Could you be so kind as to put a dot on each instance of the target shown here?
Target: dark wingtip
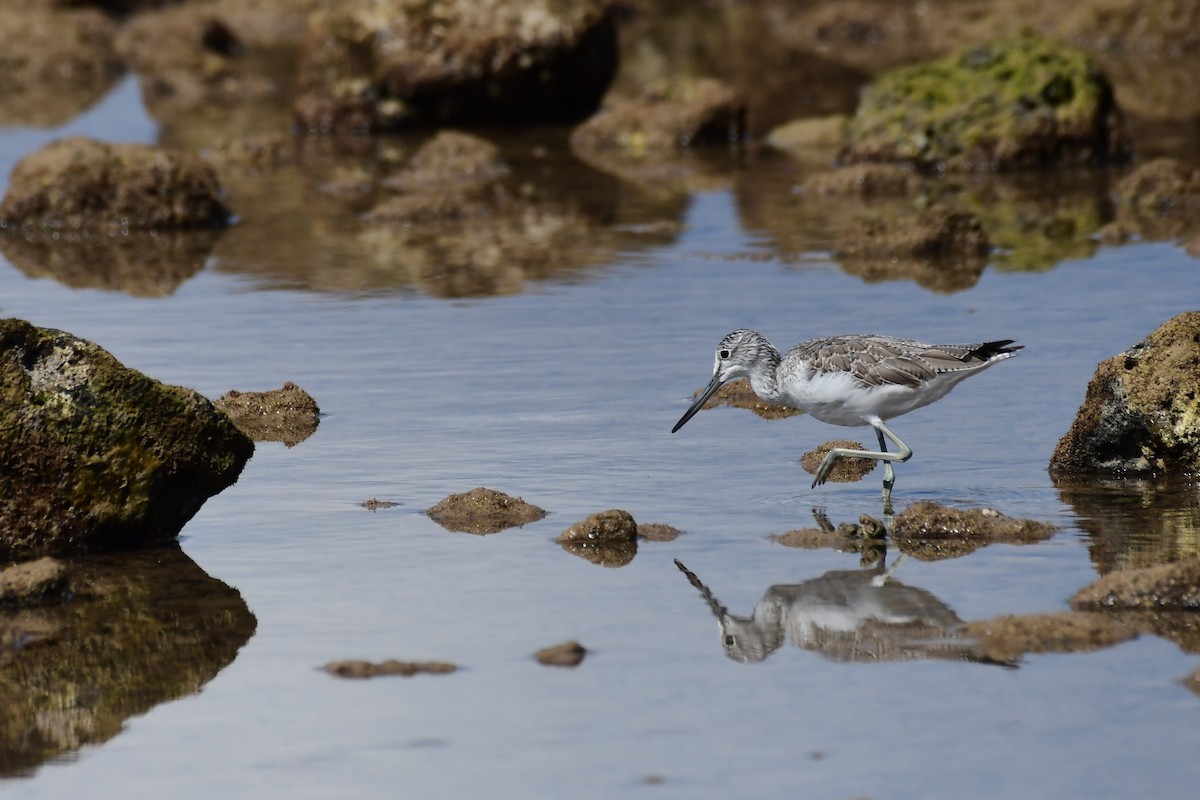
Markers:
(1003, 347)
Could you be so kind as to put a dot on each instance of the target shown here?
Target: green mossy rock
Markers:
(97, 456)
(1006, 103)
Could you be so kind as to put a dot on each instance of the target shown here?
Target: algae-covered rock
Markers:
(483, 511)
(386, 64)
(33, 582)
(1026, 101)
(140, 629)
(96, 455)
(1141, 413)
(1009, 637)
(79, 183)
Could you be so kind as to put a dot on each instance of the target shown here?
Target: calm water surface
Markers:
(564, 395)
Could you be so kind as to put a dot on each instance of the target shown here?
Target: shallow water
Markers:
(564, 394)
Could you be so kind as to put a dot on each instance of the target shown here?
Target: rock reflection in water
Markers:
(140, 264)
(141, 629)
(1134, 522)
(846, 615)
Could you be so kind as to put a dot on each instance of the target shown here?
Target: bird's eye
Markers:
(724, 354)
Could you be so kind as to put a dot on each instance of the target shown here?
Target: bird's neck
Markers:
(764, 378)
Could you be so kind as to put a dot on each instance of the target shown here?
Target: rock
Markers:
(1009, 637)
(141, 629)
(289, 414)
(78, 183)
(739, 394)
(845, 470)
(930, 531)
(1026, 101)
(567, 654)
(666, 118)
(802, 136)
(56, 64)
(606, 527)
(374, 504)
(367, 669)
(1167, 587)
(1141, 413)
(483, 511)
(864, 180)
(387, 64)
(96, 455)
(608, 538)
(657, 532)
(33, 583)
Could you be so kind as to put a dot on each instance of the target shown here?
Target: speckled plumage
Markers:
(851, 380)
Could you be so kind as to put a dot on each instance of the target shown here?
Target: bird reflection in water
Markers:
(846, 615)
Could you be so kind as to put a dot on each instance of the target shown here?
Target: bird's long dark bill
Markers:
(713, 385)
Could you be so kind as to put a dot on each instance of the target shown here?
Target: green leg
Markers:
(889, 475)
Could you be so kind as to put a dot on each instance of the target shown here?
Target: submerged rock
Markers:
(567, 654)
(930, 531)
(289, 414)
(864, 180)
(845, 470)
(386, 64)
(739, 394)
(657, 532)
(608, 538)
(78, 183)
(33, 583)
(1163, 184)
(936, 233)
(1026, 101)
(99, 456)
(483, 511)
(1141, 413)
(451, 160)
(367, 669)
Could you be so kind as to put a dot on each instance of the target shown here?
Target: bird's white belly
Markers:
(838, 399)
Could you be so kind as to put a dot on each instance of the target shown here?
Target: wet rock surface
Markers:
(483, 511)
(1019, 102)
(33, 583)
(1166, 587)
(377, 65)
(407, 669)
(930, 531)
(1141, 413)
(98, 456)
(288, 414)
(608, 538)
(934, 234)
(864, 180)
(79, 183)
(845, 470)
(140, 629)
(567, 654)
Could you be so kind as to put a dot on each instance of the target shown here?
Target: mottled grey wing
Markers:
(874, 361)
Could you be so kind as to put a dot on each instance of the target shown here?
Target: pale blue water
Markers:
(564, 395)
